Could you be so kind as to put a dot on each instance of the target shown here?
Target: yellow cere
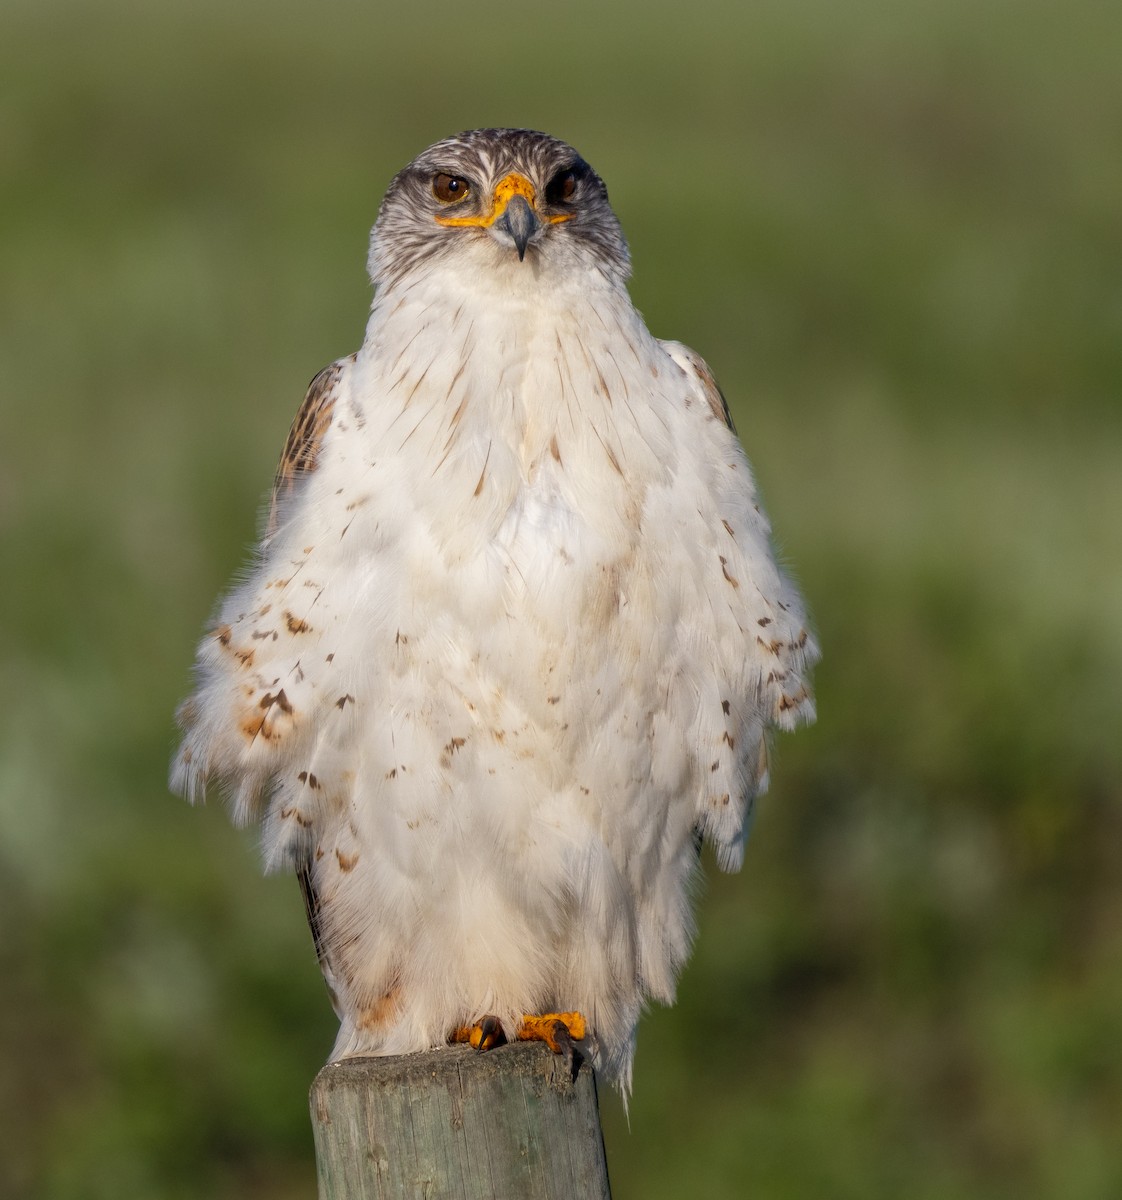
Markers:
(505, 190)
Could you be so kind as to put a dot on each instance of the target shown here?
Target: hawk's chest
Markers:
(509, 447)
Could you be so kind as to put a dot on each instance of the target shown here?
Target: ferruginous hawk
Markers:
(515, 635)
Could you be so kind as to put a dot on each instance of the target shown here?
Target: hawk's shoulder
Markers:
(705, 383)
(301, 447)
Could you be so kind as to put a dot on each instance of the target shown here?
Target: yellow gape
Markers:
(505, 190)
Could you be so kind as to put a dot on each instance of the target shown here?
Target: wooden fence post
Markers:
(512, 1123)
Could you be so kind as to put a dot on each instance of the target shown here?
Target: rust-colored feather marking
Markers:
(455, 744)
(301, 818)
(301, 448)
(788, 702)
(382, 1012)
(482, 474)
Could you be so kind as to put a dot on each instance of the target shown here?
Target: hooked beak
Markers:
(519, 221)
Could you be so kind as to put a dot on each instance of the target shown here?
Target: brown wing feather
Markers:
(717, 402)
(312, 908)
(314, 912)
(301, 447)
(718, 405)
(695, 365)
(301, 450)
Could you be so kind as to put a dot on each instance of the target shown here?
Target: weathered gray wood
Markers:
(517, 1121)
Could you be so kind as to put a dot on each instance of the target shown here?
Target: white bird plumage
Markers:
(515, 637)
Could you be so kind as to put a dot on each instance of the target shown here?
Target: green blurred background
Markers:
(894, 232)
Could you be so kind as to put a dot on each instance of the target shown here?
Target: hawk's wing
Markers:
(301, 447)
(787, 639)
(315, 924)
(299, 457)
(771, 674)
(693, 364)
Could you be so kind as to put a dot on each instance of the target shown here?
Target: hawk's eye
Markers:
(562, 187)
(450, 188)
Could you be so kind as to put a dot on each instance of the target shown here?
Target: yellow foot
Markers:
(557, 1030)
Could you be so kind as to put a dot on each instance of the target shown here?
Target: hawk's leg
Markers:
(557, 1030)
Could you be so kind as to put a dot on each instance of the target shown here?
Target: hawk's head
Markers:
(495, 196)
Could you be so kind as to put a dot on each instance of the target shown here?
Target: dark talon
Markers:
(491, 1034)
(562, 1042)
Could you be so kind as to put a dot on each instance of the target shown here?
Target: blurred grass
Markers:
(893, 231)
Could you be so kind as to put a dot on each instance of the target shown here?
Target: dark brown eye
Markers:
(562, 187)
(450, 188)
